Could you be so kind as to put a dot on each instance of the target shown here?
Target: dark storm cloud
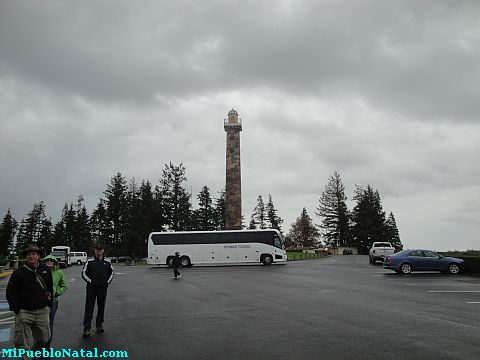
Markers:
(413, 57)
(386, 93)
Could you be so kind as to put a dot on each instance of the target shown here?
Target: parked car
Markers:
(113, 259)
(123, 258)
(379, 251)
(347, 252)
(406, 261)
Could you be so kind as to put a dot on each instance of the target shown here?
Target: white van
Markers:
(78, 257)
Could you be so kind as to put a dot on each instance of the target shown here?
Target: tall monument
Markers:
(233, 185)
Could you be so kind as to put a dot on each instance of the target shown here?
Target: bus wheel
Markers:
(169, 261)
(79, 262)
(267, 259)
(185, 261)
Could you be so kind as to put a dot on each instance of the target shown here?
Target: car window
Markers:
(415, 253)
(429, 253)
(382, 245)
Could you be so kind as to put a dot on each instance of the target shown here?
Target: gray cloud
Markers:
(385, 93)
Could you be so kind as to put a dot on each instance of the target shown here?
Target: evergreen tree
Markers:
(369, 223)
(150, 217)
(253, 223)
(133, 240)
(58, 235)
(69, 218)
(83, 234)
(219, 209)
(393, 235)
(259, 215)
(303, 232)
(205, 214)
(160, 209)
(175, 199)
(45, 240)
(8, 229)
(100, 224)
(334, 214)
(116, 209)
(274, 221)
(35, 229)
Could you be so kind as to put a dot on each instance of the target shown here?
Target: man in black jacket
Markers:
(98, 273)
(176, 264)
(29, 295)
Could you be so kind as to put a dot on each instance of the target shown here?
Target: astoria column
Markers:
(233, 185)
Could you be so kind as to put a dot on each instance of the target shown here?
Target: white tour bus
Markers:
(216, 247)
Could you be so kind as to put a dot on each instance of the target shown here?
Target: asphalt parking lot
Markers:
(333, 308)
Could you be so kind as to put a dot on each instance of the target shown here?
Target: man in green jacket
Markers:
(59, 287)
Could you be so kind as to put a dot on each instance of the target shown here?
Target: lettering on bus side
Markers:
(244, 246)
(229, 246)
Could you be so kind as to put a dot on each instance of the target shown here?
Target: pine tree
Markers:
(133, 240)
(8, 229)
(253, 223)
(69, 217)
(368, 217)
(116, 209)
(393, 235)
(35, 229)
(303, 232)
(259, 215)
(150, 219)
(334, 213)
(175, 199)
(100, 224)
(273, 220)
(83, 233)
(205, 214)
(58, 234)
(219, 209)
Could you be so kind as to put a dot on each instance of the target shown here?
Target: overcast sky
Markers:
(384, 92)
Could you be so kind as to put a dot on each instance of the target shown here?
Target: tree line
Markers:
(360, 227)
(128, 211)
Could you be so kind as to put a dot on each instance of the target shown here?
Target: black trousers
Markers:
(100, 295)
(176, 272)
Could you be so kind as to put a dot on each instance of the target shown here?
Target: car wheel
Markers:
(453, 269)
(185, 261)
(374, 261)
(267, 260)
(406, 268)
(169, 261)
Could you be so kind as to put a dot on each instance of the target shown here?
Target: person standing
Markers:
(29, 295)
(98, 273)
(176, 264)
(59, 287)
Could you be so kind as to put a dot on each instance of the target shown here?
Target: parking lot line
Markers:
(454, 291)
(435, 284)
(473, 302)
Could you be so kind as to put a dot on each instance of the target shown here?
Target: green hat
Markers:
(50, 257)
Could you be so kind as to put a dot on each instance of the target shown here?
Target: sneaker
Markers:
(86, 332)
(179, 275)
(100, 329)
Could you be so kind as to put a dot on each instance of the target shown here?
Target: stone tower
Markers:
(233, 184)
